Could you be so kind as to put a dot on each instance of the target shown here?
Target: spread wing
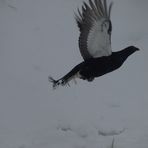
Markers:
(95, 29)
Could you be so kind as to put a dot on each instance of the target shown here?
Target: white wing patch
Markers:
(95, 29)
(98, 41)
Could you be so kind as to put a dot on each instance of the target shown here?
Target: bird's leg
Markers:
(90, 79)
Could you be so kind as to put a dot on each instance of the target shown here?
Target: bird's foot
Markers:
(88, 79)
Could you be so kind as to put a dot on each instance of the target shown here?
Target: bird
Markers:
(95, 26)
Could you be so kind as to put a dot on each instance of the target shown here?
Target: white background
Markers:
(40, 38)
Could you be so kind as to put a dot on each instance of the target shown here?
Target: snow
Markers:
(39, 38)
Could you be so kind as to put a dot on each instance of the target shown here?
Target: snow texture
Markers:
(40, 38)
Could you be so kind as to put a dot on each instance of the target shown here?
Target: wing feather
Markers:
(95, 29)
(110, 8)
(99, 7)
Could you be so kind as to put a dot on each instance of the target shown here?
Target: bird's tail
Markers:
(56, 83)
(64, 81)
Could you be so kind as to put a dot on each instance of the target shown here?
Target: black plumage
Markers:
(95, 44)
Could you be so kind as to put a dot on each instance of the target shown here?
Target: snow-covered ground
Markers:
(39, 38)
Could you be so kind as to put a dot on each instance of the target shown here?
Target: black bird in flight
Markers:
(95, 44)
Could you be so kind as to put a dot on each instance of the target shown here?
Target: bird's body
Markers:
(95, 44)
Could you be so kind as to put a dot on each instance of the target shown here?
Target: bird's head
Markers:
(125, 53)
(133, 48)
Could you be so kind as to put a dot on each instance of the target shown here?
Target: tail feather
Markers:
(56, 83)
(64, 81)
